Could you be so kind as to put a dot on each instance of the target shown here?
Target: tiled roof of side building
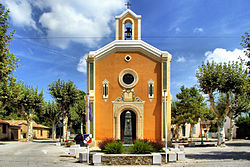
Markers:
(3, 122)
(19, 122)
(16, 122)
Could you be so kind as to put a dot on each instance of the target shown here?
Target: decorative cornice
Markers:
(130, 12)
(128, 46)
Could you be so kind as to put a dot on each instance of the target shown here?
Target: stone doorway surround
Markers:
(137, 106)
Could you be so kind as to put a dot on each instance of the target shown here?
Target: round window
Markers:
(128, 78)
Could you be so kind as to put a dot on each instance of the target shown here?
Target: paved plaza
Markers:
(46, 153)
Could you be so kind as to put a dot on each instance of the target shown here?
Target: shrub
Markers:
(104, 142)
(141, 147)
(157, 145)
(69, 143)
(114, 147)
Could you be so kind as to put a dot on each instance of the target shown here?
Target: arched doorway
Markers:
(122, 124)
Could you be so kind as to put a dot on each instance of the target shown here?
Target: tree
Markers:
(190, 105)
(243, 123)
(246, 45)
(52, 113)
(227, 79)
(8, 61)
(29, 104)
(206, 118)
(9, 92)
(65, 95)
(176, 119)
(242, 106)
(79, 109)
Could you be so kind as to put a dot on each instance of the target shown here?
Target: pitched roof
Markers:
(3, 122)
(128, 45)
(19, 122)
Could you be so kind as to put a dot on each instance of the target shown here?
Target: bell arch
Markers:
(131, 21)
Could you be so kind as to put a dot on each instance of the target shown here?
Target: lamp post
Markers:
(165, 117)
(60, 126)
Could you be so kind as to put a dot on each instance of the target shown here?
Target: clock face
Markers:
(128, 79)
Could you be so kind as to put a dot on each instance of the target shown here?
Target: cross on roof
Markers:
(128, 5)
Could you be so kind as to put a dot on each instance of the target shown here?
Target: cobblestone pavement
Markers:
(45, 153)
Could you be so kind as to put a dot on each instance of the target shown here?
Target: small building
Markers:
(19, 129)
(4, 130)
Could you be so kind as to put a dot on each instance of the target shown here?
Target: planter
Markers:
(129, 159)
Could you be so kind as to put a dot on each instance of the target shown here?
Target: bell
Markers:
(128, 32)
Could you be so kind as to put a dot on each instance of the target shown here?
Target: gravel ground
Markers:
(235, 153)
(45, 153)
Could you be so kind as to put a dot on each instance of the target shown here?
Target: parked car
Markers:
(79, 139)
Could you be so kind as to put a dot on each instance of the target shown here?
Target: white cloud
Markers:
(198, 30)
(79, 21)
(181, 59)
(177, 29)
(21, 13)
(82, 66)
(223, 55)
(86, 21)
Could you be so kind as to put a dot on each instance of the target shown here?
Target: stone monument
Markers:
(128, 128)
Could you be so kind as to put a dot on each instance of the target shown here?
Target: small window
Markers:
(183, 131)
(105, 92)
(150, 89)
(194, 129)
(41, 133)
(4, 128)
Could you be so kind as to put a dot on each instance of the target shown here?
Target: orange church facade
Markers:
(129, 75)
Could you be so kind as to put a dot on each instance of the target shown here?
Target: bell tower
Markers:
(128, 26)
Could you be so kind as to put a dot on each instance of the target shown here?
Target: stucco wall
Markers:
(109, 69)
(40, 135)
(5, 136)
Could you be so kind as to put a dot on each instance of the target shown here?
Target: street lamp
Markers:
(60, 126)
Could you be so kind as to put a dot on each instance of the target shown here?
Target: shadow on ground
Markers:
(45, 141)
(2, 143)
(219, 155)
(238, 144)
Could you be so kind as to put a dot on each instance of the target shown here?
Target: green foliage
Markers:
(243, 122)
(207, 114)
(227, 79)
(114, 147)
(9, 93)
(51, 112)
(104, 142)
(213, 127)
(246, 44)
(189, 107)
(65, 94)
(157, 145)
(8, 61)
(30, 101)
(141, 147)
(77, 113)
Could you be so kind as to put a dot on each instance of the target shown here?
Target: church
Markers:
(129, 76)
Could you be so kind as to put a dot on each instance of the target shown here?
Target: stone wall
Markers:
(135, 159)
(127, 159)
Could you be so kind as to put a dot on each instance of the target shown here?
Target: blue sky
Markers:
(52, 36)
